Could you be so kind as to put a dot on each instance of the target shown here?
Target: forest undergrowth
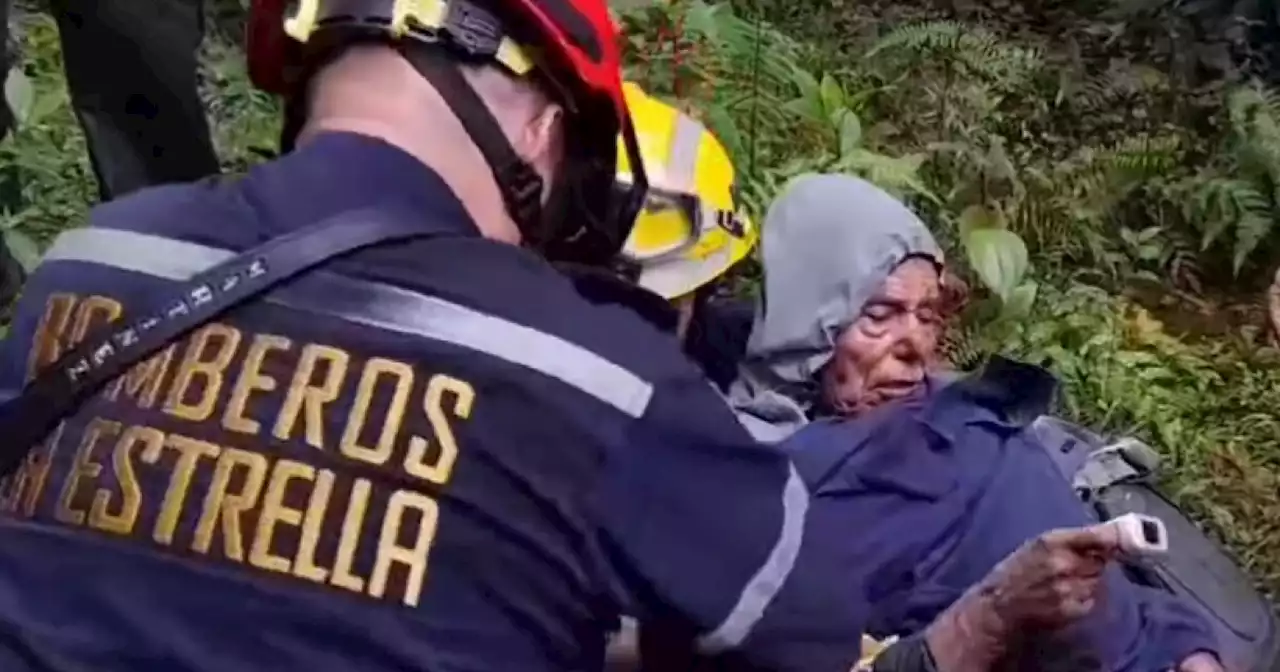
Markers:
(1107, 182)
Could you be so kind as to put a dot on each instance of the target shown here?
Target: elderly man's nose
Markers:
(907, 346)
(913, 340)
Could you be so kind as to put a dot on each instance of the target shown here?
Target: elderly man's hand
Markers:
(1201, 662)
(1053, 579)
(1049, 582)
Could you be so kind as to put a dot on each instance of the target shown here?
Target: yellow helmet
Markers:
(690, 231)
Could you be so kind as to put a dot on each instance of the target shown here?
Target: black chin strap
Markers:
(520, 184)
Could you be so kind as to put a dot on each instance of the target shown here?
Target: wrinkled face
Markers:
(886, 352)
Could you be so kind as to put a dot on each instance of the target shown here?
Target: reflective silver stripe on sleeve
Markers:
(769, 579)
(374, 304)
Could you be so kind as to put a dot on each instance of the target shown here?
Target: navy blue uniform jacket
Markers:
(430, 456)
(936, 492)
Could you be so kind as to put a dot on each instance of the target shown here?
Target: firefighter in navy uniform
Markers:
(433, 455)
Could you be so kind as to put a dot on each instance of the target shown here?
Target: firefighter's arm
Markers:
(706, 530)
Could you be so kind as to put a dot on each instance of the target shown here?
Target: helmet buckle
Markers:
(476, 32)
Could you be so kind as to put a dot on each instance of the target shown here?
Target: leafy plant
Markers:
(1124, 373)
(732, 73)
(955, 74)
(1241, 202)
(41, 192)
(745, 80)
(999, 259)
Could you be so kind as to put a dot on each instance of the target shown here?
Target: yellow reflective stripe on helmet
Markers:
(303, 22)
(513, 58)
(409, 14)
(408, 17)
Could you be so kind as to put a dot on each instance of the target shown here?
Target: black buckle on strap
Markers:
(521, 187)
(472, 29)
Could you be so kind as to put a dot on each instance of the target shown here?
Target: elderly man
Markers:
(851, 280)
(1051, 578)
(848, 327)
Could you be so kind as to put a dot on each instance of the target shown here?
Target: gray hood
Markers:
(827, 244)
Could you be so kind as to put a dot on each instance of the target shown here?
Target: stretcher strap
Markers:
(1125, 460)
(1083, 459)
(60, 388)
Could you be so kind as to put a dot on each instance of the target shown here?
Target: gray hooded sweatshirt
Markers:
(828, 242)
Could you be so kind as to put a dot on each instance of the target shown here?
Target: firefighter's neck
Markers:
(374, 92)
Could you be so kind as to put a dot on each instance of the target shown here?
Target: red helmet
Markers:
(569, 45)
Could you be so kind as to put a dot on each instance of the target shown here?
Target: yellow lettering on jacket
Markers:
(303, 460)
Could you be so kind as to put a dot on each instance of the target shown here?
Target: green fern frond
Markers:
(1142, 158)
(1213, 206)
(1246, 102)
(1224, 204)
(1251, 228)
(980, 52)
(1098, 177)
(918, 37)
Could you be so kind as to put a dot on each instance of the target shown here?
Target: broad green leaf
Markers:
(45, 103)
(1150, 252)
(1149, 234)
(24, 249)
(807, 84)
(832, 95)
(802, 107)
(726, 129)
(979, 217)
(19, 94)
(999, 257)
(849, 128)
(1020, 301)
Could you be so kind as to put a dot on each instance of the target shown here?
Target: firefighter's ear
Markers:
(542, 141)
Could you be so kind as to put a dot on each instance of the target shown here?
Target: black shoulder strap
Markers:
(60, 388)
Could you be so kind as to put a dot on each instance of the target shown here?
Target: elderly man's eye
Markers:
(878, 313)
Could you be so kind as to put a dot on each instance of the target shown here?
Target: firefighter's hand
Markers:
(1052, 580)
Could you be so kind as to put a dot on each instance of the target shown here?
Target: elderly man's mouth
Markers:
(897, 390)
